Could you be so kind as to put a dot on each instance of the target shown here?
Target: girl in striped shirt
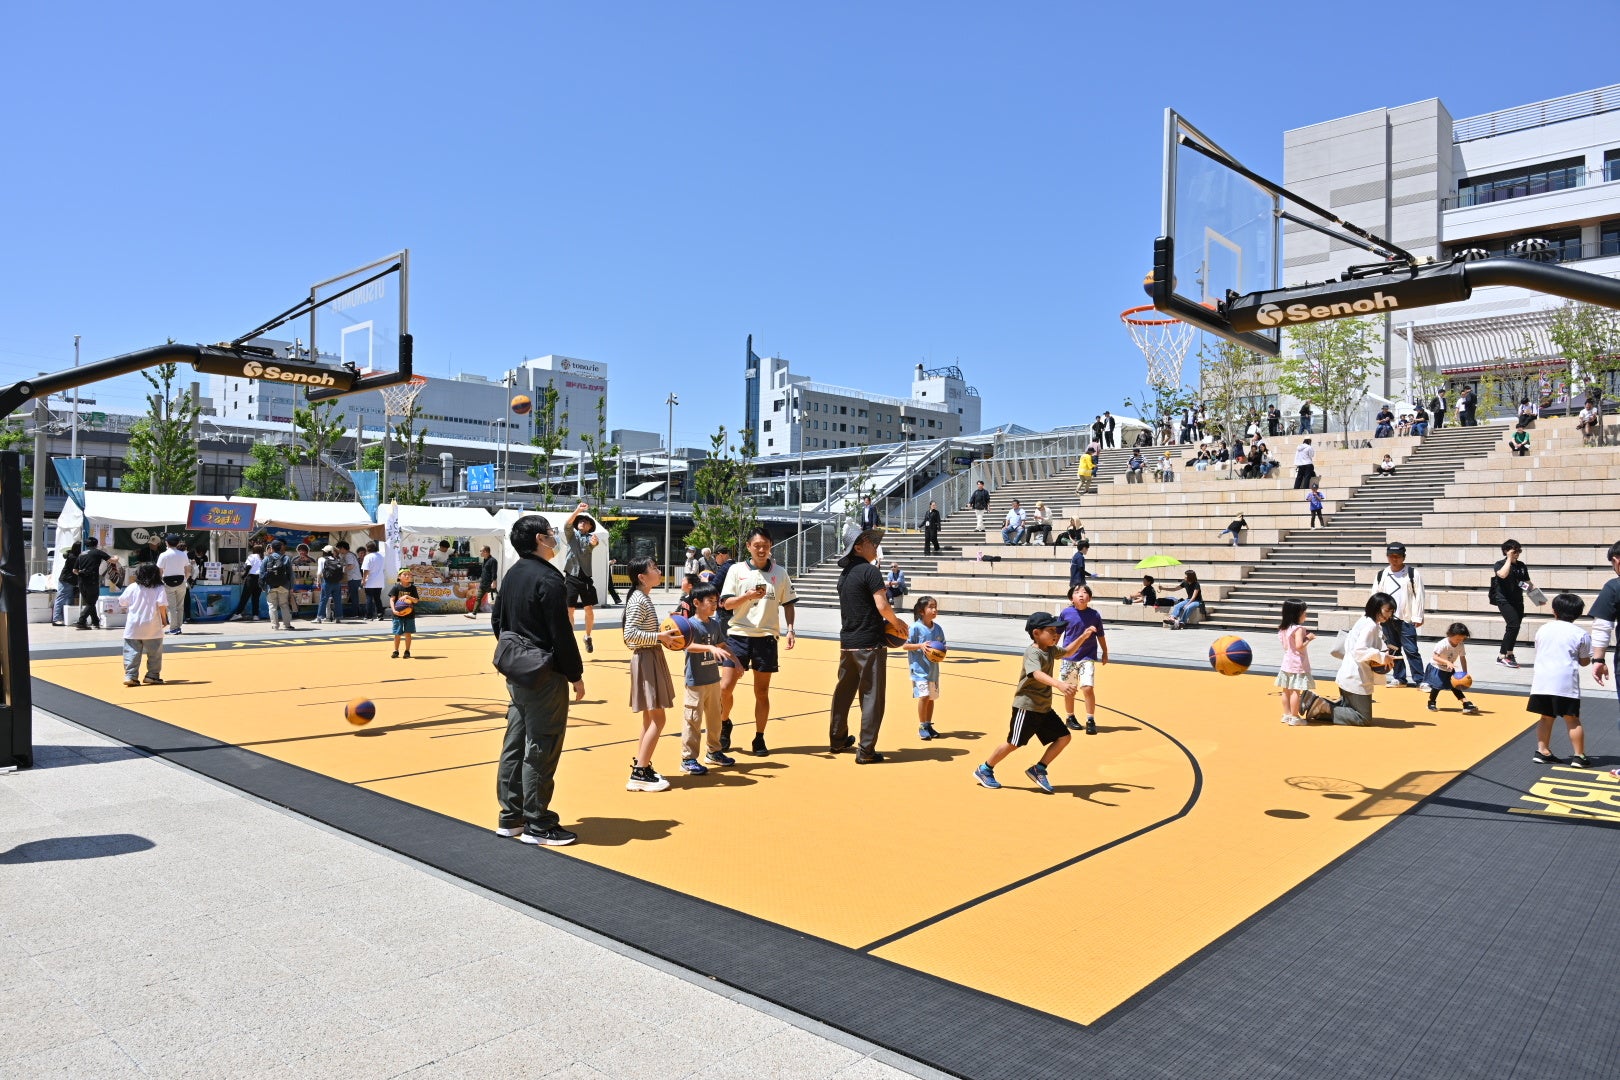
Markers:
(651, 690)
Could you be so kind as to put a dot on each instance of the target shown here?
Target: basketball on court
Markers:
(683, 629)
(405, 606)
(1230, 655)
(521, 405)
(1461, 680)
(360, 712)
(934, 651)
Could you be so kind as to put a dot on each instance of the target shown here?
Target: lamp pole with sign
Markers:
(669, 485)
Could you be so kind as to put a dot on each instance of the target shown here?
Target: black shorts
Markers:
(758, 653)
(581, 591)
(1046, 726)
(1553, 705)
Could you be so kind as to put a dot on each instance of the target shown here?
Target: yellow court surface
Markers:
(1190, 811)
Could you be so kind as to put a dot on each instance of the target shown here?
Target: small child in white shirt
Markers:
(148, 616)
(1448, 661)
(1562, 649)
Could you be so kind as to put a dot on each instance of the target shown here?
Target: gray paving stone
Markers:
(97, 1056)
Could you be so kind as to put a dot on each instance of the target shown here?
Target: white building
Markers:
(795, 412)
(580, 386)
(1535, 181)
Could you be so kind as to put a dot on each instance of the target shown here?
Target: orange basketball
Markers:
(1462, 680)
(522, 405)
(360, 712)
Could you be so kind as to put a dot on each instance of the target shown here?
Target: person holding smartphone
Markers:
(758, 593)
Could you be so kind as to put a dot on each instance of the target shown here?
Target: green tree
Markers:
(1588, 339)
(13, 435)
(373, 457)
(1329, 365)
(316, 431)
(266, 478)
(723, 510)
(600, 451)
(1162, 404)
(413, 445)
(162, 455)
(551, 432)
(1232, 385)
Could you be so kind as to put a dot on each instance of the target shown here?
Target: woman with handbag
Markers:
(1365, 659)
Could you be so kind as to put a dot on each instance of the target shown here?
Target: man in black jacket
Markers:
(533, 603)
(931, 523)
(487, 571)
(980, 502)
(88, 567)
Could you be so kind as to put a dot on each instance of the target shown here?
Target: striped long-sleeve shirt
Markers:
(640, 621)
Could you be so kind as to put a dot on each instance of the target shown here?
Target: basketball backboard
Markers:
(1221, 235)
(360, 320)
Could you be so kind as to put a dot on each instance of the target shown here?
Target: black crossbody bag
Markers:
(520, 660)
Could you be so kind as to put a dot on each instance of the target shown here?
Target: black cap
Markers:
(1041, 620)
(1396, 548)
(171, 538)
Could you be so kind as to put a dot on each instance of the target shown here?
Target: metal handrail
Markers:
(1537, 114)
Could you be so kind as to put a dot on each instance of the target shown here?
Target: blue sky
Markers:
(861, 186)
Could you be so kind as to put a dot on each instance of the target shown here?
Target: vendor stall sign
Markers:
(220, 516)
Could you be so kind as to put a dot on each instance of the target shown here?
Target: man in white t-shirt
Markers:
(177, 570)
(757, 592)
(1304, 465)
(371, 579)
(1402, 582)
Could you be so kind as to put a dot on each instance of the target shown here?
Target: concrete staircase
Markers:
(1313, 564)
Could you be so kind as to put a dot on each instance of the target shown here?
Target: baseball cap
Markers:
(1396, 548)
(171, 538)
(1041, 620)
(849, 558)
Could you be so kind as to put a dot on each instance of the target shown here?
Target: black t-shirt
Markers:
(862, 626)
(1150, 595)
(1509, 589)
(1607, 605)
(89, 562)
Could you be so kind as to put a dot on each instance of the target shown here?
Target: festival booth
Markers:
(414, 533)
(600, 561)
(125, 523)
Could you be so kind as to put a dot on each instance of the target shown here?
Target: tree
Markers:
(1162, 405)
(1329, 365)
(1233, 386)
(13, 435)
(600, 450)
(162, 455)
(317, 430)
(551, 432)
(413, 443)
(1588, 337)
(723, 510)
(266, 478)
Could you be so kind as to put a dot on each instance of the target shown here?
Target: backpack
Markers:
(276, 571)
(332, 571)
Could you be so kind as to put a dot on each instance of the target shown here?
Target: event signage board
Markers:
(211, 516)
(138, 536)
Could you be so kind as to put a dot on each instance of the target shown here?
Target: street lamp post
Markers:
(669, 485)
(798, 423)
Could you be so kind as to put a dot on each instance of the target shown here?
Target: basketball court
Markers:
(1192, 809)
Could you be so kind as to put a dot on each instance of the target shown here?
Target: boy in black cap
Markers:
(1032, 715)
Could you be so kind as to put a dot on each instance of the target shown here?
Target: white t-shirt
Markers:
(255, 564)
(1559, 649)
(174, 563)
(372, 570)
(142, 604)
(757, 618)
(1449, 657)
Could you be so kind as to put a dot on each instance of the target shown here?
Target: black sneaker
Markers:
(588, 646)
(1432, 706)
(556, 836)
(1074, 725)
(760, 749)
(1546, 757)
(1091, 725)
(841, 745)
(725, 735)
(867, 759)
(1507, 662)
(1579, 761)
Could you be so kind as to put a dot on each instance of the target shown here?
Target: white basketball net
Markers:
(398, 399)
(1164, 342)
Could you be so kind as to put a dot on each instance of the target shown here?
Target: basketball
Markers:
(682, 627)
(521, 405)
(359, 712)
(892, 639)
(934, 651)
(1461, 680)
(405, 606)
(1230, 655)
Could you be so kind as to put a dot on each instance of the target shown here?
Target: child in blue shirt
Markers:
(1080, 670)
(925, 672)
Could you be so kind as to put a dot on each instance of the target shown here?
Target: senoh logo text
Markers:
(1273, 314)
(271, 373)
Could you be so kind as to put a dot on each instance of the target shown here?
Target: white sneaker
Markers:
(1391, 680)
(1295, 721)
(516, 830)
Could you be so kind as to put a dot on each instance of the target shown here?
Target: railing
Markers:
(811, 547)
(1538, 114)
(1556, 251)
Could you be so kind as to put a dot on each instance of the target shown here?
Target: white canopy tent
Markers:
(600, 562)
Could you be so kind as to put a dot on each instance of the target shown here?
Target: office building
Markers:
(581, 386)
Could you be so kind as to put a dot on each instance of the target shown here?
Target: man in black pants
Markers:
(89, 570)
(931, 523)
(487, 571)
(1510, 580)
(533, 604)
(865, 614)
(1109, 424)
(979, 501)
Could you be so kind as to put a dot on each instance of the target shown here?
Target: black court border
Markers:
(946, 1026)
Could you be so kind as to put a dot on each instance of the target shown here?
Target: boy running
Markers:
(1081, 671)
(1032, 715)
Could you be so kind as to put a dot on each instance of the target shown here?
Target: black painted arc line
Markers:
(1192, 800)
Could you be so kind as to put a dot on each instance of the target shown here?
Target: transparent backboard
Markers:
(359, 320)
(1225, 234)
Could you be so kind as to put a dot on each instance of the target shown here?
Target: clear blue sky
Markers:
(862, 186)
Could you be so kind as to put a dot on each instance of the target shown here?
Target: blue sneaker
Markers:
(691, 767)
(986, 776)
(1037, 773)
(719, 759)
(926, 732)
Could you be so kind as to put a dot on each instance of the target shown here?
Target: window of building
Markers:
(219, 479)
(842, 444)
(1611, 164)
(1609, 238)
(770, 442)
(778, 406)
(1517, 183)
(843, 427)
(862, 413)
(861, 431)
(767, 425)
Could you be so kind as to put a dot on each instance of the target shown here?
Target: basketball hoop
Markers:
(1163, 340)
(398, 399)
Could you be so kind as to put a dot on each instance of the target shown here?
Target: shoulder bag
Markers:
(519, 659)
